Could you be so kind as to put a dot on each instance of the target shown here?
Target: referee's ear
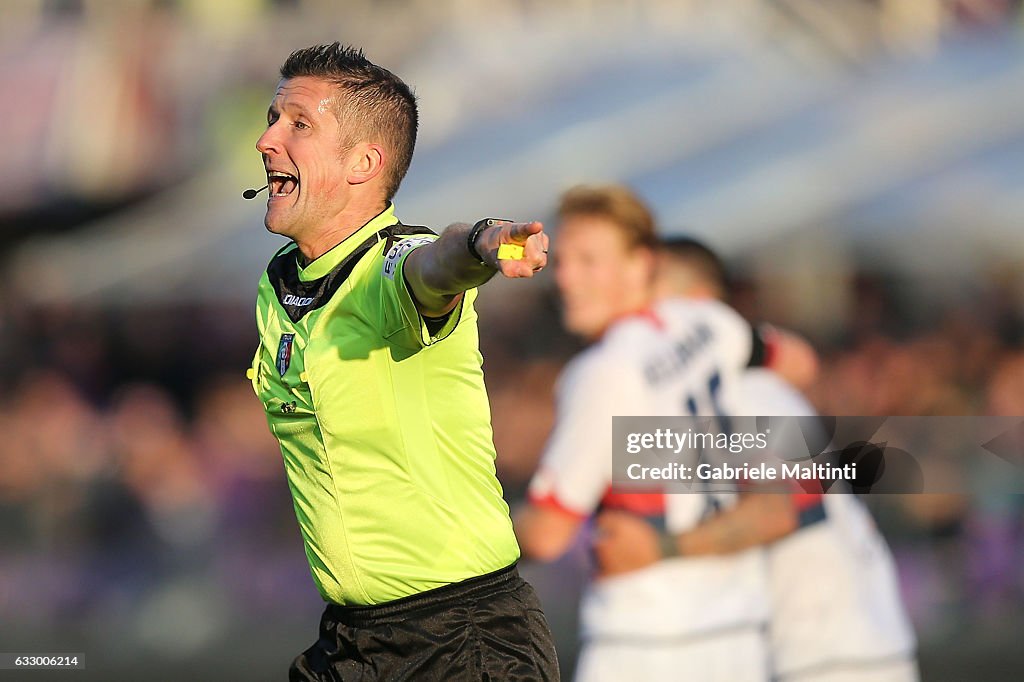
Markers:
(365, 162)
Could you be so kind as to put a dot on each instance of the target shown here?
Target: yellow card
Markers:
(510, 252)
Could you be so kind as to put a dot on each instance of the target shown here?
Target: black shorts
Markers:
(485, 628)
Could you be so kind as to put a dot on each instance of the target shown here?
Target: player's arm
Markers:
(544, 530)
(626, 542)
(787, 354)
(438, 273)
(756, 519)
(575, 469)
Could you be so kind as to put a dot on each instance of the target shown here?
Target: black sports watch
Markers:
(479, 227)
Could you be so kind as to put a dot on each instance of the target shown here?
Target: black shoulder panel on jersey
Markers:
(400, 230)
(758, 349)
(299, 298)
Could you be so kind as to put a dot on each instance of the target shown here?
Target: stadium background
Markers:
(859, 162)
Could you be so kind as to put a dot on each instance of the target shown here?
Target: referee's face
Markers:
(304, 153)
(600, 278)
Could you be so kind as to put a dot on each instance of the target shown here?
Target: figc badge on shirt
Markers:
(284, 353)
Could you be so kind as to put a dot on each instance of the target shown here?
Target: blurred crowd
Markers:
(103, 505)
(959, 555)
(110, 492)
(157, 81)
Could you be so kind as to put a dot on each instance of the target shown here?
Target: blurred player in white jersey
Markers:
(836, 614)
(698, 619)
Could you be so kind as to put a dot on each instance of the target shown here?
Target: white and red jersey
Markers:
(835, 599)
(683, 357)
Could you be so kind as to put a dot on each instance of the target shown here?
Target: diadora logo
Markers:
(297, 300)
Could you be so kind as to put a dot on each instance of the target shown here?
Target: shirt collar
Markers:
(331, 258)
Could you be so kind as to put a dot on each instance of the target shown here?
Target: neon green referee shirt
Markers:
(382, 419)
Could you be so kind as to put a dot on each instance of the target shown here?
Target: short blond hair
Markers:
(618, 205)
(377, 105)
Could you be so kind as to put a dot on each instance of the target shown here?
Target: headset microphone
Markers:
(251, 193)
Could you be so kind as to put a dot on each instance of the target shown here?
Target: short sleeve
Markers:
(576, 468)
(402, 322)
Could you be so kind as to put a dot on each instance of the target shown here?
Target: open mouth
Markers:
(281, 184)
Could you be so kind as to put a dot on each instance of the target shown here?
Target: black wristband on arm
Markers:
(479, 227)
(758, 349)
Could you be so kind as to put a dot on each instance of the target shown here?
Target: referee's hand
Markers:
(528, 236)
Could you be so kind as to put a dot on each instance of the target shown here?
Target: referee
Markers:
(369, 371)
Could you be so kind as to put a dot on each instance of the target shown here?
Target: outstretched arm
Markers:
(439, 273)
(757, 519)
(626, 542)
